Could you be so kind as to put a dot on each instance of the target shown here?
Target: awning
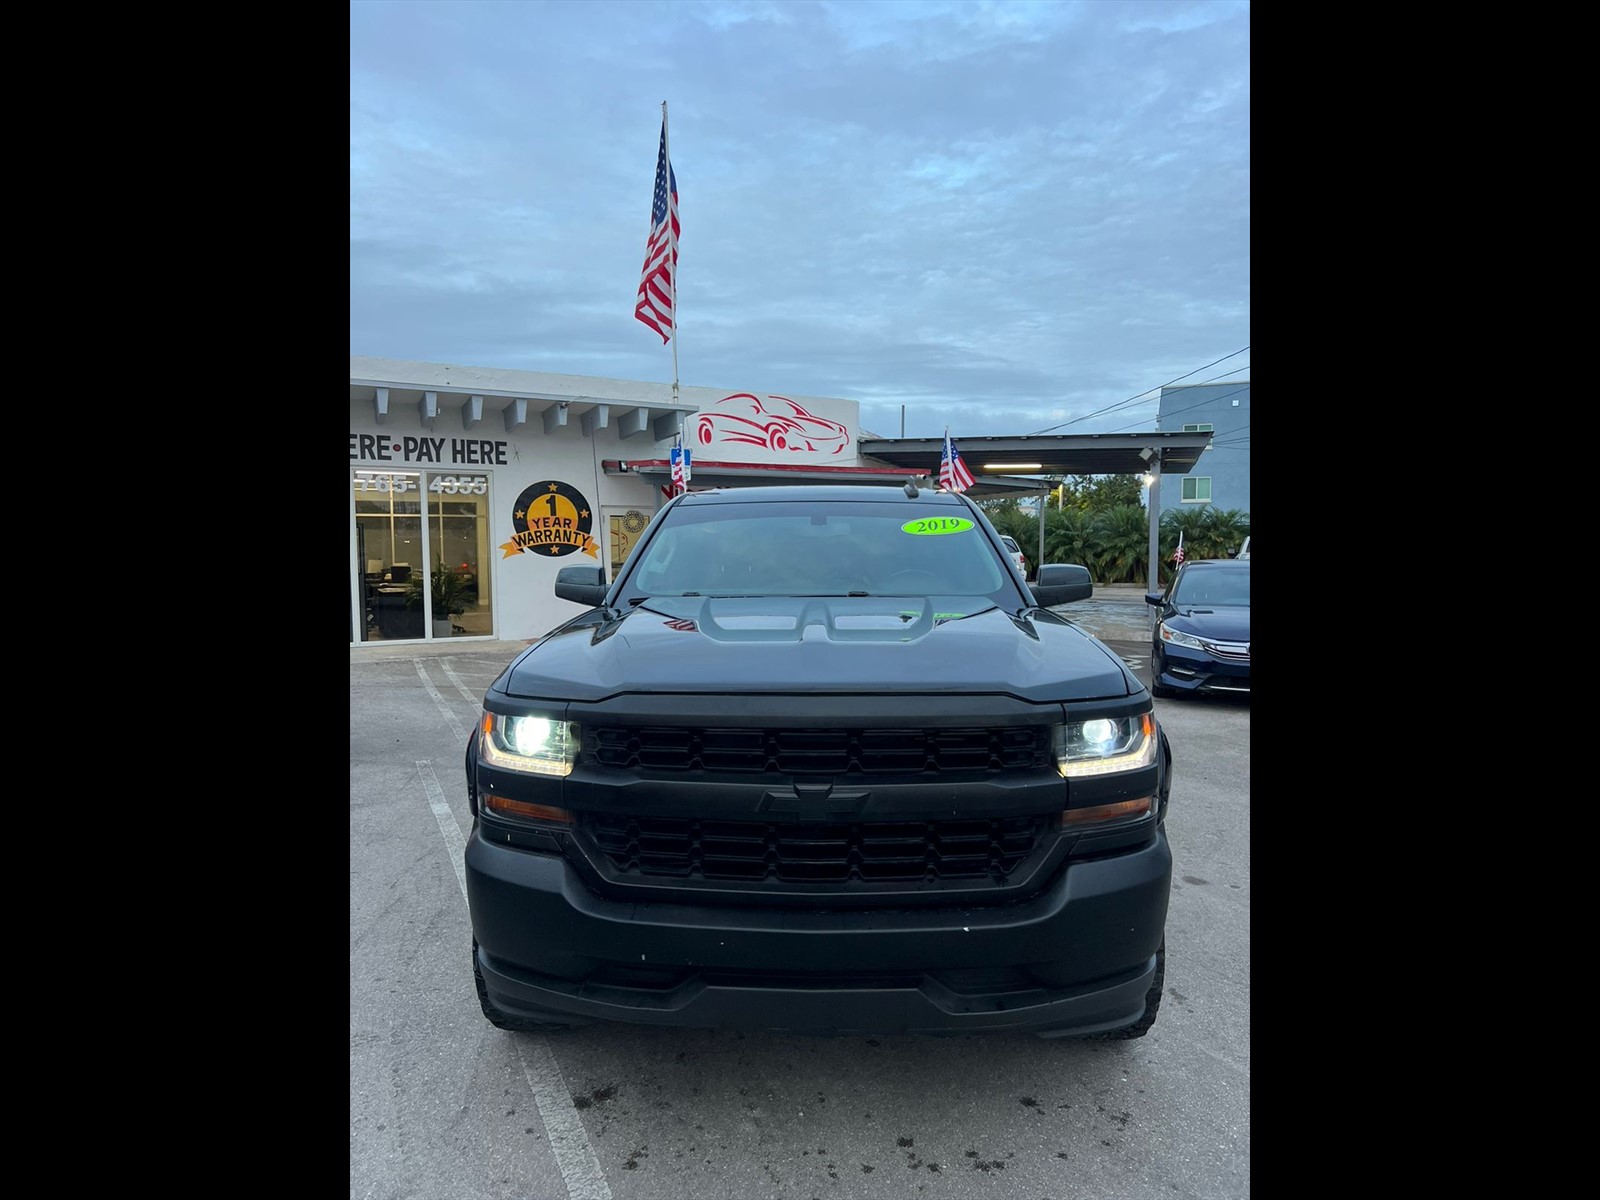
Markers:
(1050, 454)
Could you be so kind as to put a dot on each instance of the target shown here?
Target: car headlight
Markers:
(531, 744)
(1177, 637)
(1105, 745)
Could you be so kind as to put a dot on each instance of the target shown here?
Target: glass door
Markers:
(462, 601)
(388, 507)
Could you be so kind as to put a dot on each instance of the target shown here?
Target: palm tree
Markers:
(1069, 537)
(1122, 541)
(1224, 531)
(1191, 523)
(1008, 518)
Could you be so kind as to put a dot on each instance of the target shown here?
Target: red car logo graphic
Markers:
(777, 423)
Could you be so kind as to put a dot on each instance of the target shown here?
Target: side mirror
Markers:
(1061, 583)
(1154, 597)
(582, 585)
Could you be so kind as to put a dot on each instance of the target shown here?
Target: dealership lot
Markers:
(444, 1104)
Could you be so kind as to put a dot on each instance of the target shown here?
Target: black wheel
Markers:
(502, 1020)
(1152, 1005)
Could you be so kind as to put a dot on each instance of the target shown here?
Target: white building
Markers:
(508, 476)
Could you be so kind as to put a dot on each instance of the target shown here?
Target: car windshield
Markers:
(820, 549)
(1213, 588)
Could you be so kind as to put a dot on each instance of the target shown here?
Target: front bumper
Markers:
(1184, 669)
(1077, 958)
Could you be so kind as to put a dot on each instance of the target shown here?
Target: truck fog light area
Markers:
(1120, 813)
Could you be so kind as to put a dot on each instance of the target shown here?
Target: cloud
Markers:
(998, 211)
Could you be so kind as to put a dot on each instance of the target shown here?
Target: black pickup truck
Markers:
(820, 760)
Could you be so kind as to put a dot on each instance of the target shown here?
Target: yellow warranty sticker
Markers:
(927, 525)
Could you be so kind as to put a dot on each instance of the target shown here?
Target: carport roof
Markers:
(1049, 454)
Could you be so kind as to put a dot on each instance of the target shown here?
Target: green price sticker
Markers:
(927, 525)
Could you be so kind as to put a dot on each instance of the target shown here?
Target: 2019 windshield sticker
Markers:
(933, 525)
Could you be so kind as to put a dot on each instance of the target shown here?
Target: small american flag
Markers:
(953, 473)
(680, 469)
(1177, 555)
(658, 286)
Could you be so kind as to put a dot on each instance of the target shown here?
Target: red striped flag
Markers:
(658, 286)
(681, 469)
(1177, 555)
(953, 473)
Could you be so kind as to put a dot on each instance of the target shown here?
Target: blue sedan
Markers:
(1201, 641)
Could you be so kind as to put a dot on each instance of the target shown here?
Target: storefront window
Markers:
(405, 521)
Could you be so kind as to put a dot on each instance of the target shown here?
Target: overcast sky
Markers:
(1004, 217)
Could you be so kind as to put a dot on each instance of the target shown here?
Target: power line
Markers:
(1208, 401)
(1134, 398)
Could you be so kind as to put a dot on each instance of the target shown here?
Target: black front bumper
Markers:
(1076, 958)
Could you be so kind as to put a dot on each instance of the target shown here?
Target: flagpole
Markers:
(666, 142)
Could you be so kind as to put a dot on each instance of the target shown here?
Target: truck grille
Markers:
(876, 851)
(818, 751)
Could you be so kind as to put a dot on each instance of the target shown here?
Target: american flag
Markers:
(680, 468)
(1177, 555)
(953, 473)
(658, 286)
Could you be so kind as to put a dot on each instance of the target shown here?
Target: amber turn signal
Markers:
(521, 808)
(1097, 814)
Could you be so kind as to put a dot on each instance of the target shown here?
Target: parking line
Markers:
(450, 674)
(569, 1141)
(454, 843)
(438, 699)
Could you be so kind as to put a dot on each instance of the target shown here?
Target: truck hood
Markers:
(809, 644)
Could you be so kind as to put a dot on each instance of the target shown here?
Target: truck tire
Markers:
(1152, 1005)
(502, 1020)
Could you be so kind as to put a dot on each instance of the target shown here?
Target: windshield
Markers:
(820, 549)
(1219, 588)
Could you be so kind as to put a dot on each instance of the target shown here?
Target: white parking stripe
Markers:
(438, 699)
(450, 674)
(569, 1141)
(454, 843)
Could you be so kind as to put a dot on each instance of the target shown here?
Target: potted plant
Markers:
(450, 596)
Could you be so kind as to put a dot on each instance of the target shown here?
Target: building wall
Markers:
(1226, 408)
(546, 501)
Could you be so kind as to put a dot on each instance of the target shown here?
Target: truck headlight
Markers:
(1105, 745)
(534, 745)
